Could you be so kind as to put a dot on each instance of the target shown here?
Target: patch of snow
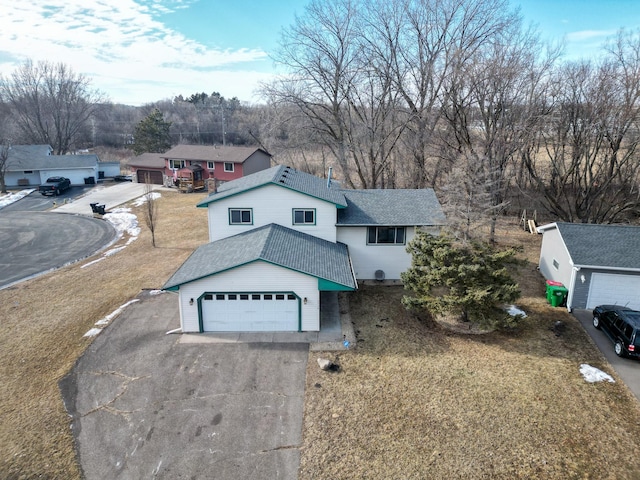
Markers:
(142, 200)
(93, 332)
(10, 198)
(175, 330)
(156, 292)
(113, 251)
(592, 374)
(513, 311)
(123, 221)
(116, 312)
(92, 262)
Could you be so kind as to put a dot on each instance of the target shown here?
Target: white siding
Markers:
(366, 259)
(254, 277)
(272, 204)
(553, 248)
(76, 175)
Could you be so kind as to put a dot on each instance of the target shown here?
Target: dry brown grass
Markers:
(42, 323)
(414, 400)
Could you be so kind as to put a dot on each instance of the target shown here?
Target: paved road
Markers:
(37, 242)
(627, 369)
(145, 405)
(36, 202)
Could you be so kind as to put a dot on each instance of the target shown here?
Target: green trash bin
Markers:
(558, 296)
(551, 284)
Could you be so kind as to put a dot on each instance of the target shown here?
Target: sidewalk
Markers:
(110, 196)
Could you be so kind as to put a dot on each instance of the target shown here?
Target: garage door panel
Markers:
(154, 177)
(251, 312)
(607, 288)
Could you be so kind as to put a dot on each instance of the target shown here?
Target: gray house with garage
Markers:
(280, 237)
(31, 165)
(599, 264)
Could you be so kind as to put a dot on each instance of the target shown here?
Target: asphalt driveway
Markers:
(145, 405)
(628, 369)
(37, 242)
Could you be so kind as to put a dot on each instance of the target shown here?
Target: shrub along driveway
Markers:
(146, 406)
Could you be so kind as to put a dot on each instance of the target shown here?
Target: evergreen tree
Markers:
(469, 281)
(152, 134)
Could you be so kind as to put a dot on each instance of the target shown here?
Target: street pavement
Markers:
(145, 405)
(627, 369)
(38, 242)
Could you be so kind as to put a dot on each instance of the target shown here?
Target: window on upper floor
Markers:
(228, 167)
(176, 164)
(386, 235)
(211, 165)
(304, 216)
(241, 216)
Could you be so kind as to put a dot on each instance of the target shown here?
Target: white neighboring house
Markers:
(279, 237)
(31, 165)
(598, 264)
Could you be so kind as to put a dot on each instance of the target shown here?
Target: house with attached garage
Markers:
(598, 264)
(280, 237)
(222, 163)
(31, 165)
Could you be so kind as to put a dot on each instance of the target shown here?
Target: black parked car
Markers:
(622, 325)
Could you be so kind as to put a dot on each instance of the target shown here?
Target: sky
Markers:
(141, 51)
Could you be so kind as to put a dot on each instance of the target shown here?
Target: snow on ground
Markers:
(123, 221)
(9, 198)
(100, 324)
(592, 374)
(142, 200)
(513, 311)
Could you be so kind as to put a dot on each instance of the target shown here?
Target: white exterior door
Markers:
(612, 289)
(250, 312)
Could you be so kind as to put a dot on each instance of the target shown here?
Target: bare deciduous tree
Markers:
(50, 103)
(150, 209)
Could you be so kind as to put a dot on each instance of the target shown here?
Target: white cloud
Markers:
(583, 35)
(123, 49)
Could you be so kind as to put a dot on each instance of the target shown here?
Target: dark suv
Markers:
(622, 325)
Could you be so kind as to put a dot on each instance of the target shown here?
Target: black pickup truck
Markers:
(55, 185)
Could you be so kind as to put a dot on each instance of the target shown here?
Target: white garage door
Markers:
(250, 312)
(614, 289)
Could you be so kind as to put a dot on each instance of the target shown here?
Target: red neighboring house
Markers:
(221, 163)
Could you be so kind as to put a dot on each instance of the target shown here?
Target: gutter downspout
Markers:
(572, 283)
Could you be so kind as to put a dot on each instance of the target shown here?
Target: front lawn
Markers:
(416, 400)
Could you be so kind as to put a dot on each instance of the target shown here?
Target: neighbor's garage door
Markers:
(608, 288)
(250, 312)
(154, 176)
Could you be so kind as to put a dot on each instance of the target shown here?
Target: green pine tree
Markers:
(152, 134)
(471, 282)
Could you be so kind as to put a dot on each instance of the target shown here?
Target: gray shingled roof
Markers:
(274, 244)
(149, 160)
(36, 157)
(211, 153)
(616, 246)
(282, 176)
(391, 207)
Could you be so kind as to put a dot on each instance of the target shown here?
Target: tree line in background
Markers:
(457, 95)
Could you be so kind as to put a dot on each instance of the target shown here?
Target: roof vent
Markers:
(379, 275)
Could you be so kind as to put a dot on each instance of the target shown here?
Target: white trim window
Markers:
(176, 164)
(240, 216)
(385, 235)
(229, 167)
(211, 165)
(304, 216)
